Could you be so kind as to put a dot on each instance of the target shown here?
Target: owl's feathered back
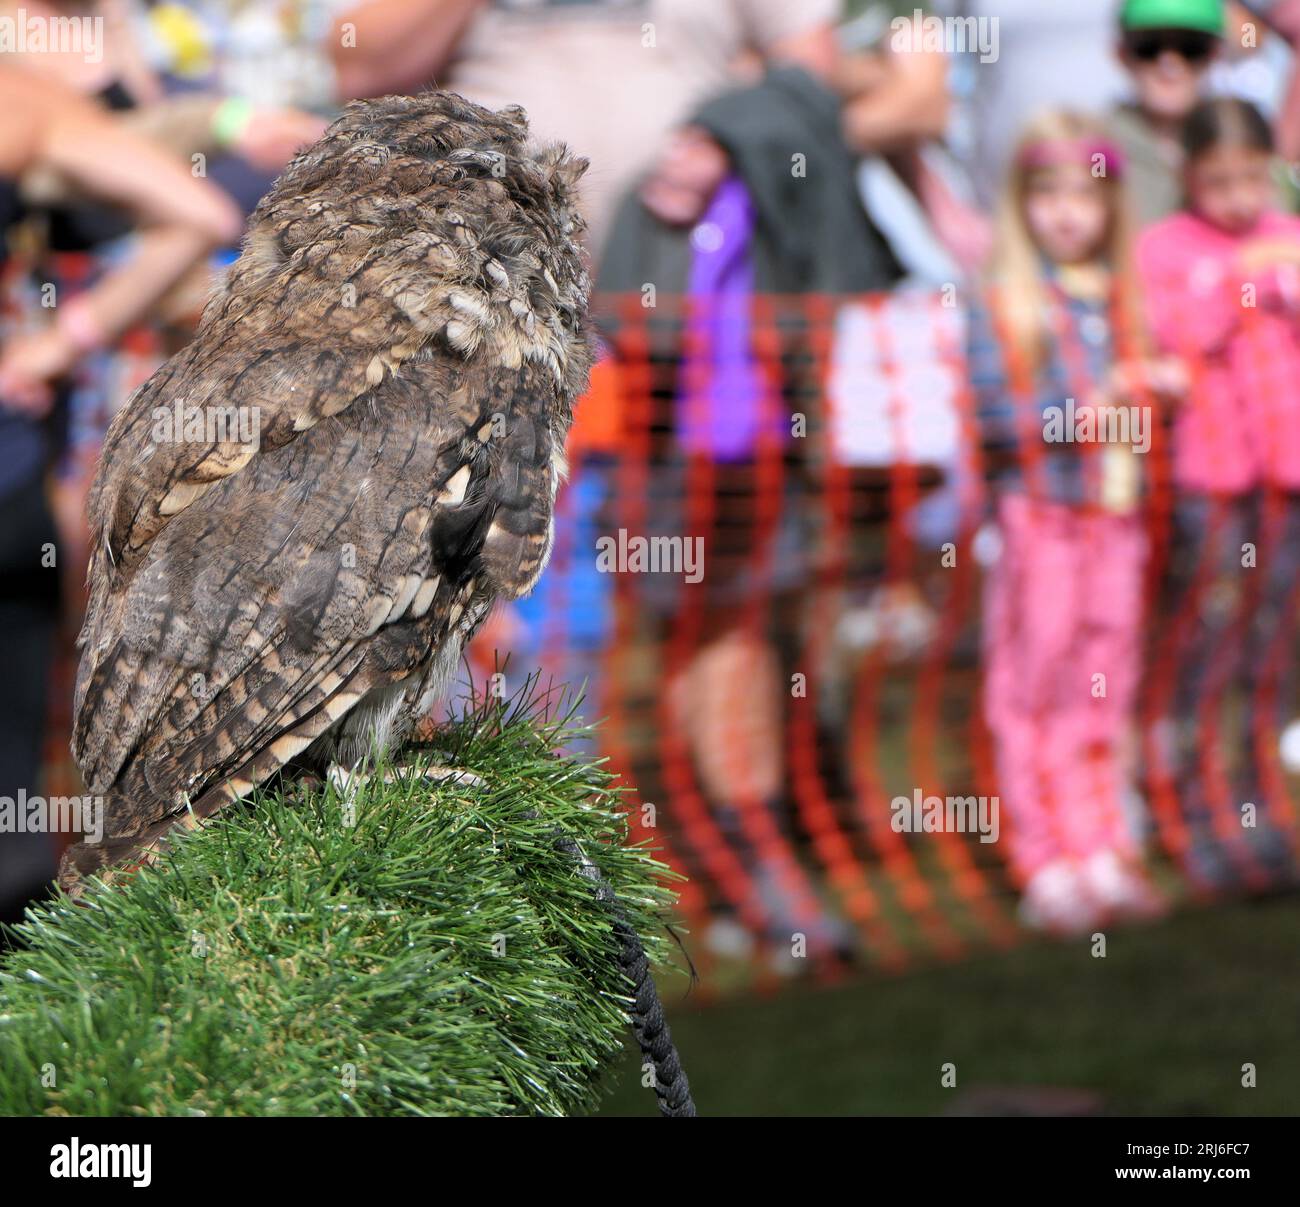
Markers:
(406, 330)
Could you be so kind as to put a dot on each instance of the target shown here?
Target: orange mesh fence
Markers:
(770, 572)
(772, 569)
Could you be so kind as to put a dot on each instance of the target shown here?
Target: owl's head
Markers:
(469, 228)
(471, 143)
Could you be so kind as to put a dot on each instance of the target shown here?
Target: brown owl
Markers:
(301, 519)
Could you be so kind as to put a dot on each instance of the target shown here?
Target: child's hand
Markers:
(1166, 377)
(683, 181)
(1265, 253)
(29, 365)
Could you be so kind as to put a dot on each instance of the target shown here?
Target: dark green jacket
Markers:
(812, 233)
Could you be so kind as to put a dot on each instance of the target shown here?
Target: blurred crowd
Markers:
(885, 289)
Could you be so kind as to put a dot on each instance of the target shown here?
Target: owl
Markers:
(300, 519)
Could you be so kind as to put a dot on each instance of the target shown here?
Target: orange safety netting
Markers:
(828, 661)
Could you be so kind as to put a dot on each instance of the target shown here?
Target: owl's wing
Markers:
(288, 345)
(261, 612)
(256, 377)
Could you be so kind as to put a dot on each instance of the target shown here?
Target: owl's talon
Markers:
(453, 775)
(346, 780)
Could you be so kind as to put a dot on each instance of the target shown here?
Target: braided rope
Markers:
(649, 1026)
(653, 1036)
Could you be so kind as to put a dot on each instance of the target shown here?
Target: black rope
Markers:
(649, 1025)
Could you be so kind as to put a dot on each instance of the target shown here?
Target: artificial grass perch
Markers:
(413, 949)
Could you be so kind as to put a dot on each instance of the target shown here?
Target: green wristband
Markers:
(231, 120)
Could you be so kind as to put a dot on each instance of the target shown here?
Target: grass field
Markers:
(1162, 1025)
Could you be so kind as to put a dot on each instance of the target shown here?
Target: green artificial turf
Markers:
(434, 953)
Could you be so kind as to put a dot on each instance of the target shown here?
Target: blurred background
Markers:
(930, 557)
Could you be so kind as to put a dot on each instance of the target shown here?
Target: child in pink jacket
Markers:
(1222, 285)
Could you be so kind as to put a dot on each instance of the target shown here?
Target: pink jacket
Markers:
(1239, 333)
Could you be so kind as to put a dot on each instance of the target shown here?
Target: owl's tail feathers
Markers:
(113, 857)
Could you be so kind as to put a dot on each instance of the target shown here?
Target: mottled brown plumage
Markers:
(407, 324)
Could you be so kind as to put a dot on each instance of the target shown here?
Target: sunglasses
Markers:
(1190, 46)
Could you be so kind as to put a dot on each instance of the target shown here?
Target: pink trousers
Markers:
(1063, 612)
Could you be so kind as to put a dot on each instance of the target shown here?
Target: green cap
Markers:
(1204, 16)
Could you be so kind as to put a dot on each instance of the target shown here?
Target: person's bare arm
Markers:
(399, 45)
(103, 159)
(184, 217)
(267, 138)
(1283, 16)
(894, 100)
